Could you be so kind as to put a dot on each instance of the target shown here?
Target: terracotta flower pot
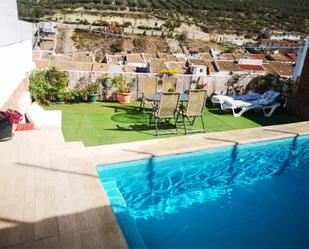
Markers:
(124, 98)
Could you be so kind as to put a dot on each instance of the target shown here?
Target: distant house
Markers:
(250, 59)
(226, 67)
(251, 64)
(197, 67)
(48, 27)
(15, 54)
(252, 69)
(113, 59)
(281, 35)
(278, 44)
(136, 61)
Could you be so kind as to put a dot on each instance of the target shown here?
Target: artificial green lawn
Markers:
(109, 123)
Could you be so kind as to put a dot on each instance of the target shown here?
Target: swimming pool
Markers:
(249, 196)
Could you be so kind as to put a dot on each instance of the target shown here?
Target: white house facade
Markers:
(15, 50)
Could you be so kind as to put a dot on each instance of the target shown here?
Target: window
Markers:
(201, 70)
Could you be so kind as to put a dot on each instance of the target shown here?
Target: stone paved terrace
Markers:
(51, 196)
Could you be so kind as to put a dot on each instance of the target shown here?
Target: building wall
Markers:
(15, 63)
(215, 84)
(15, 52)
(250, 61)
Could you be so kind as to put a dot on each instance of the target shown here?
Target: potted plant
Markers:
(92, 92)
(77, 95)
(124, 89)
(201, 85)
(7, 119)
(60, 97)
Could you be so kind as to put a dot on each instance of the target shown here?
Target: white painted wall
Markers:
(199, 70)
(15, 63)
(245, 61)
(15, 49)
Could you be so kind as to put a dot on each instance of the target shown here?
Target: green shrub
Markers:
(58, 81)
(116, 47)
(92, 88)
(38, 87)
(48, 85)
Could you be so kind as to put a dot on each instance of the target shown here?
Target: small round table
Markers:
(156, 97)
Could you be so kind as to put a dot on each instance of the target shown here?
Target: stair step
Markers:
(74, 145)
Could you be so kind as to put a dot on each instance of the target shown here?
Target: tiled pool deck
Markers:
(51, 197)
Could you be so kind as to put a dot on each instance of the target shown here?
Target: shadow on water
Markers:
(231, 169)
(287, 162)
(150, 167)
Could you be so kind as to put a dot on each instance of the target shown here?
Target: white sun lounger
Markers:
(41, 118)
(250, 96)
(266, 103)
(36, 114)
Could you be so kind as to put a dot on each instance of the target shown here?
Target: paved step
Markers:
(75, 145)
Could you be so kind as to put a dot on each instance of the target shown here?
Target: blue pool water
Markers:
(244, 196)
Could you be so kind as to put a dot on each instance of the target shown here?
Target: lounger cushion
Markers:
(250, 96)
(236, 104)
(41, 118)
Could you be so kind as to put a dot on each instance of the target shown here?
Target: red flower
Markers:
(12, 116)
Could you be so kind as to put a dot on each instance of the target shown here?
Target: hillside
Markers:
(238, 16)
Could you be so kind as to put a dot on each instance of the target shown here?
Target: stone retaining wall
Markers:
(216, 84)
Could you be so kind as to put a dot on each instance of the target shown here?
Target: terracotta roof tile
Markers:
(282, 68)
(251, 67)
(269, 69)
(292, 57)
(280, 57)
(228, 66)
